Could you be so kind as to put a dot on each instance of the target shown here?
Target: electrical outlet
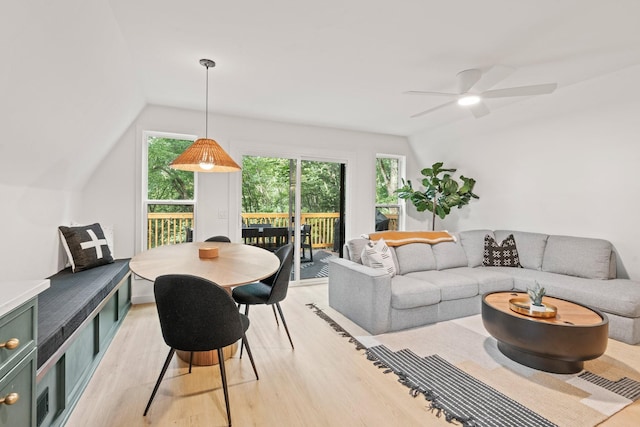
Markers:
(223, 214)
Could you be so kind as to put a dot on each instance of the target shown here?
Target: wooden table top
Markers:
(236, 264)
(568, 312)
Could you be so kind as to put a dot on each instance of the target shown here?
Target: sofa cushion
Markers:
(415, 257)
(449, 254)
(354, 249)
(530, 246)
(473, 243)
(407, 293)
(503, 254)
(617, 296)
(452, 286)
(488, 280)
(577, 256)
(70, 299)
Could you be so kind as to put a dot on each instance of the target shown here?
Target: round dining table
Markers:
(236, 264)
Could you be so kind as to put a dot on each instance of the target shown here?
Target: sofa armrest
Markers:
(361, 293)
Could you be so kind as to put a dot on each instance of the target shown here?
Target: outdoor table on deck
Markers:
(236, 264)
(266, 237)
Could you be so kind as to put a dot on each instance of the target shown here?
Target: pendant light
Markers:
(205, 155)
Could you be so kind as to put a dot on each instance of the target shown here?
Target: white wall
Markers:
(567, 163)
(113, 193)
(30, 217)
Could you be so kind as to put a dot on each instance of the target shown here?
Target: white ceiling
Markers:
(345, 63)
(75, 74)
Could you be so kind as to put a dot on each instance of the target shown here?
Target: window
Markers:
(389, 212)
(169, 194)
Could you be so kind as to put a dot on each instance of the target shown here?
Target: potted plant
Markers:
(442, 192)
(535, 295)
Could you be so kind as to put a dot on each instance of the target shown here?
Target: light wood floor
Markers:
(323, 382)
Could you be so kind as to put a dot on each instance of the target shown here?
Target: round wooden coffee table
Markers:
(558, 344)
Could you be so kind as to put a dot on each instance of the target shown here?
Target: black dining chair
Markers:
(269, 291)
(218, 239)
(196, 314)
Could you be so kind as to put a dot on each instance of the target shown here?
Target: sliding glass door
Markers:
(294, 200)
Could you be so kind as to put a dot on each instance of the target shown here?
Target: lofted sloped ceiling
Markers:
(68, 90)
(76, 73)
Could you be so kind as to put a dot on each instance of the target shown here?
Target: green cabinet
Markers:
(17, 366)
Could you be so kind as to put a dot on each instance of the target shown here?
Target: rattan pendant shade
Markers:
(205, 155)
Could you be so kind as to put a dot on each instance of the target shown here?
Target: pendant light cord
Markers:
(206, 107)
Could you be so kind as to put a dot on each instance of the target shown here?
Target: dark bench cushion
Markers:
(69, 300)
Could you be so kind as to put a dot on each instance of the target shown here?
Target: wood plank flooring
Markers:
(323, 382)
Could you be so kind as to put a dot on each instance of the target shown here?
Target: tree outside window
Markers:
(388, 207)
(170, 198)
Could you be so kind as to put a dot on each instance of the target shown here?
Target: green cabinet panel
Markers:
(18, 324)
(20, 380)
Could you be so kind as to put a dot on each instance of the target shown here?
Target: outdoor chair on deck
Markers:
(305, 239)
(269, 291)
(198, 315)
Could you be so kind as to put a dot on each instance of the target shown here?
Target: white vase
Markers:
(539, 308)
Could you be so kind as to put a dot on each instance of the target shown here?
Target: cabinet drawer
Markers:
(17, 324)
(20, 380)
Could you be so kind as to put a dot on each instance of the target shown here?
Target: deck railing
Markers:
(167, 228)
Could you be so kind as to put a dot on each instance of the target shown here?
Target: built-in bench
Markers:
(77, 318)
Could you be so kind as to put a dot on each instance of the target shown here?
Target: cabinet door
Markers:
(20, 325)
(21, 381)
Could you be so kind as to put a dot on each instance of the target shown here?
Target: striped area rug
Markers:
(454, 393)
(458, 368)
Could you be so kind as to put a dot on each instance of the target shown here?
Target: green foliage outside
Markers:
(387, 176)
(165, 183)
(265, 181)
(266, 185)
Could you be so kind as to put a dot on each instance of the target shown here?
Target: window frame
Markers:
(401, 205)
(145, 184)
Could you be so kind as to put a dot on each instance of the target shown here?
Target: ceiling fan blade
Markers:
(521, 91)
(468, 78)
(424, 92)
(431, 110)
(479, 110)
(493, 76)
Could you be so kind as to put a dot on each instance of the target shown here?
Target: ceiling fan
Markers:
(473, 100)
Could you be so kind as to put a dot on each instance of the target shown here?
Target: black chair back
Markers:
(279, 281)
(218, 239)
(196, 314)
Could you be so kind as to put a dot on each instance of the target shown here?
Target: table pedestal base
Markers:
(538, 361)
(208, 358)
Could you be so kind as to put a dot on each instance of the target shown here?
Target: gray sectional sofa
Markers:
(447, 280)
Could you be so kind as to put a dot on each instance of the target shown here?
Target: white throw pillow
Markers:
(379, 255)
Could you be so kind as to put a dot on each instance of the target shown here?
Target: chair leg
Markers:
(284, 322)
(223, 375)
(246, 313)
(190, 361)
(244, 339)
(155, 389)
(275, 315)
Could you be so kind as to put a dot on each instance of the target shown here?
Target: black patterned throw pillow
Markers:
(86, 246)
(504, 254)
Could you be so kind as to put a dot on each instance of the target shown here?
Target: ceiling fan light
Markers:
(467, 100)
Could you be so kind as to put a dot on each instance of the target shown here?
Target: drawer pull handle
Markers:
(10, 399)
(10, 344)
